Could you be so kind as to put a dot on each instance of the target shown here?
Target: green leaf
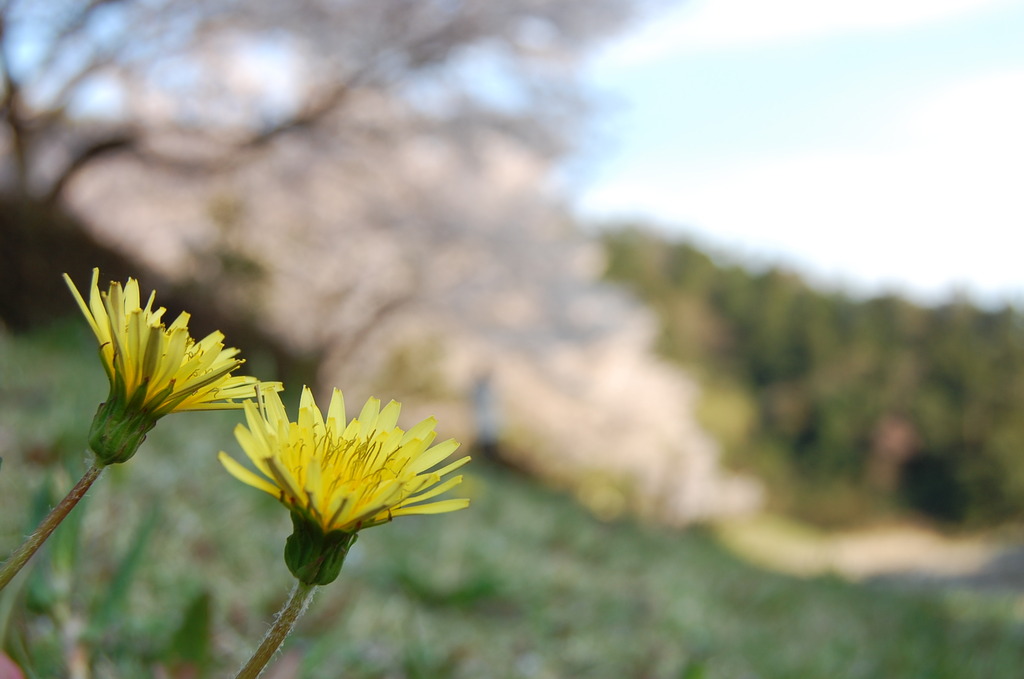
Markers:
(112, 605)
(65, 542)
(191, 641)
(693, 670)
(54, 568)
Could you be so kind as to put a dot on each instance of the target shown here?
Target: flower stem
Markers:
(33, 542)
(283, 624)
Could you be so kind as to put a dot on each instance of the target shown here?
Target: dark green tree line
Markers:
(857, 406)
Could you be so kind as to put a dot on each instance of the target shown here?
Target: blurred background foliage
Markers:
(173, 570)
(368, 193)
(349, 189)
(851, 409)
(116, 113)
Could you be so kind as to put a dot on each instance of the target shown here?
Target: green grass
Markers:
(175, 564)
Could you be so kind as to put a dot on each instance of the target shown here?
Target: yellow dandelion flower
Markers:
(339, 477)
(153, 369)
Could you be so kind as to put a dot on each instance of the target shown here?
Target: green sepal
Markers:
(118, 430)
(315, 557)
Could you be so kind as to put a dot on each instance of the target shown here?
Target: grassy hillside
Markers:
(848, 408)
(175, 565)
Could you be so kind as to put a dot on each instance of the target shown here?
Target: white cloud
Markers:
(940, 209)
(986, 111)
(716, 24)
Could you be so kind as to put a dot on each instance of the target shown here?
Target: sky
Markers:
(874, 146)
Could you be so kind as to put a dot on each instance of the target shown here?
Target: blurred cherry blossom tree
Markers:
(201, 88)
(362, 183)
(82, 80)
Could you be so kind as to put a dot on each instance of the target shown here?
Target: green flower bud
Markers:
(118, 430)
(315, 557)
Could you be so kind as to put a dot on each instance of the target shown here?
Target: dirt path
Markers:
(901, 552)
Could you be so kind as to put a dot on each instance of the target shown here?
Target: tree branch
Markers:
(68, 31)
(306, 118)
(113, 144)
(10, 110)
